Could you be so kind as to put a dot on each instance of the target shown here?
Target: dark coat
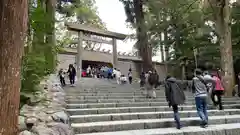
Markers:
(174, 94)
(73, 72)
(153, 79)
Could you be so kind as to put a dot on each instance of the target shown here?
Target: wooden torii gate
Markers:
(83, 29)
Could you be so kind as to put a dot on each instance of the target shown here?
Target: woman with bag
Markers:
(217, 92)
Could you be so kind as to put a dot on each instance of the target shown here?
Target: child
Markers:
(61, 76)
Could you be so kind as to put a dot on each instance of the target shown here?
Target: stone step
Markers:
(79, 101)
(220, 129)
(146, 115)
(132, 104)
(106, 97)
(127, 97)
(114, 93)
(139, 109)
(148, 124)
(121, 96)
(109, 90)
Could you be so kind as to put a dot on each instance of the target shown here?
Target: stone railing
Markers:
(48, 116)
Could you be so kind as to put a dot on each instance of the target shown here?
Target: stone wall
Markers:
(45, 113)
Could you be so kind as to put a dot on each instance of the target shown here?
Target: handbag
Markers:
(215, 98)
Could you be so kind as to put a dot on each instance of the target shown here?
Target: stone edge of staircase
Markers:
(49, 117)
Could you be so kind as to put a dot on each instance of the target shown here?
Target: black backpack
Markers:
(153, 79)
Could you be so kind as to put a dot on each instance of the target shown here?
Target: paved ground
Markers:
(101, 107)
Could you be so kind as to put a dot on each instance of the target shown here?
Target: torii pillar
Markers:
(114, 53)
(79, 54)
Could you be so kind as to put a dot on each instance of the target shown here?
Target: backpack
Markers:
(152, 79)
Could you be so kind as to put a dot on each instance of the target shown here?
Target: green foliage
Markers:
(39, 55)
(41, 47)
(186, 27)
(33, 70)
(84, 10)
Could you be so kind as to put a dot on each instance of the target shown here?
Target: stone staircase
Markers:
(104, 108)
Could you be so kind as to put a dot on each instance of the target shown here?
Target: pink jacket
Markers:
(218, 83)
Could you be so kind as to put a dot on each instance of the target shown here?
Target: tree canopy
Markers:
(179, 28)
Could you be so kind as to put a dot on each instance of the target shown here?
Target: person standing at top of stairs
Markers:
(199, 88)
(118, 76)
(174, 96)
(130, 76)
(142, 80)
(71, 74)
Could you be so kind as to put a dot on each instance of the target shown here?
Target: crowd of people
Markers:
(204, 85)
(95, 72)
(109, 73)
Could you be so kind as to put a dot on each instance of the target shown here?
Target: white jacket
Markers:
(118, 74)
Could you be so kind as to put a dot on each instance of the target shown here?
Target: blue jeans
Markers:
(176, 116)
(201, 105)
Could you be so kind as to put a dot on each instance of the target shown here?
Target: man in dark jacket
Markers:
(153, 79)
(71, 73)
(174, 96)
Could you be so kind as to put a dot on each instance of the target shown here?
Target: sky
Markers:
(113, 15)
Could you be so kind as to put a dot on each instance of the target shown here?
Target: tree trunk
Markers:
(223, 24)
(13, 26)
(50, 37)
(166, 49)
(144, 48)
(162, 53)
(177, 40)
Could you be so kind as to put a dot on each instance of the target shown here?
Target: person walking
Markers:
(238, 92)
(61, 77)
(152, 82)
(114, 73)
(199, 89)
(118, 76)
(142, 80)
(175, 97)
(130, 76)
(217, 92)
(210, 83)
(71, 74)
(110, 71)
(89, 71)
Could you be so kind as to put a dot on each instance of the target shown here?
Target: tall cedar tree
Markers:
(143, 46)
(13, 25)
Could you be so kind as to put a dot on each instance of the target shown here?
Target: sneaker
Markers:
(179, 127)
(203, 125)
